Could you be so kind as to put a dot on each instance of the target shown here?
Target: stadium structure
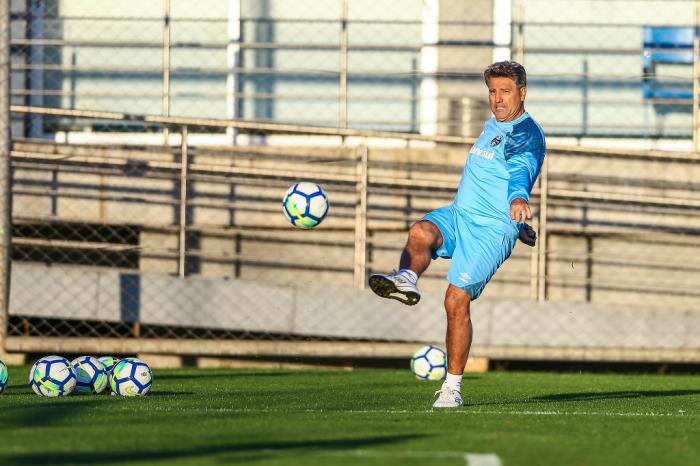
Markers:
(147, 147)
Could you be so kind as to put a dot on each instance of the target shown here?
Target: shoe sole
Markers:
(447, 407)
(385, 288)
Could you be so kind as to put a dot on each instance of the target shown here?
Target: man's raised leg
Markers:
(459, 340)
(423, 238)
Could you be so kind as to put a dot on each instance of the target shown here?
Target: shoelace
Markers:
(448, 390)
(401, 278)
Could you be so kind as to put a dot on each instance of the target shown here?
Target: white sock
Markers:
(453, 381)
(409, 274)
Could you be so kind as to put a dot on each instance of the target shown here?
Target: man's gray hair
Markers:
(506, 69)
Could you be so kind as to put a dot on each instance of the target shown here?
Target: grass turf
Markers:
(363, 417)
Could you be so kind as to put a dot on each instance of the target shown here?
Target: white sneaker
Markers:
(448, 398)
(395, 286)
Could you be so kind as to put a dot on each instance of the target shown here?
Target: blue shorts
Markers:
(477, 247)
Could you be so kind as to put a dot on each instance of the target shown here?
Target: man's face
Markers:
(505, 99)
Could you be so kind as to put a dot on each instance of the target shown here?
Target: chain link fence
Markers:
(597, 69)
(148, 167)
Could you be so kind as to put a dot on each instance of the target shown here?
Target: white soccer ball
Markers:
(305, 205)
(429, 363)
(3, 376)
(131, 377)
(91, 374)
(52, 376)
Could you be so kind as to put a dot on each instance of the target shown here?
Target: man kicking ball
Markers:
(478, 230)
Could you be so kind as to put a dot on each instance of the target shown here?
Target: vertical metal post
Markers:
(519, 31)
(343, 117)
(542, 259)
(34, 78)
(233, 61)
(535, 252)
(5, 144)
(182, 242)
(360, 269)
(696, 79)
(166, 67)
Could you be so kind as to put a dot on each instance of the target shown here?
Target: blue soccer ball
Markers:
(131, 377)
(305, 205)
(429, 363)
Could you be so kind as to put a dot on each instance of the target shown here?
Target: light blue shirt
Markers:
(502, 165)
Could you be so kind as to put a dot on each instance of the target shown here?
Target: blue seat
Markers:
(667, 45)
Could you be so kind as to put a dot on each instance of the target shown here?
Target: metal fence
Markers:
(160, 245)
(146, 214)
(597, 69)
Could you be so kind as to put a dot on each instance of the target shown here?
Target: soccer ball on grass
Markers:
(429, 363)
(52, 376)
(91, 374)
(305, 204)
(109, 362)
(3, 376)
(131, 377)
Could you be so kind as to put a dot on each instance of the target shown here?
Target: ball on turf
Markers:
(4, 377)
(52, 376)
(305, 205)
(109, 362)
(429, 363)
(91, 375)
(131, 377)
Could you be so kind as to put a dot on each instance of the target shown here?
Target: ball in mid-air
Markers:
(305, 205)
(52, 376)
(91, 375)
(131, 377)
(429, 363)
(4, 377)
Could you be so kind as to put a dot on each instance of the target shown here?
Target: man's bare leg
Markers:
(459, 329)
(423, 238)
(459, 340)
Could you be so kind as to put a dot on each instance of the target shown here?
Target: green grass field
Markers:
(362, 417)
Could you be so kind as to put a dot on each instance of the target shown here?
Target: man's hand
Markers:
(527, 235)
(520, 210)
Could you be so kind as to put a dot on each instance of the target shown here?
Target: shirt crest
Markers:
(496, 141)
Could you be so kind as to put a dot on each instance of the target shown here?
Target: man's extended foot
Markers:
(448, 397)
(395, 286)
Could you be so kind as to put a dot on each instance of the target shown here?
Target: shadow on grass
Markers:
(158, 393)
(590, 396)
(219, 375)
(585, 396)
(16, 390)
(44, 412)
(265, 448)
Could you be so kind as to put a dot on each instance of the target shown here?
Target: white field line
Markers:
(482, 459)
(471, 459)
(416, 411)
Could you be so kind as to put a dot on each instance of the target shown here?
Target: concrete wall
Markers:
(612, 256)
(322, 310)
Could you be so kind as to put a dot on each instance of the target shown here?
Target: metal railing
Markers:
(148, 227)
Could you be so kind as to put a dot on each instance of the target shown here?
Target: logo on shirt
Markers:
(487, 154)
(496, 141)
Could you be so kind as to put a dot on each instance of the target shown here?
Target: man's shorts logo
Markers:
(464, 276)
(496, 141)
